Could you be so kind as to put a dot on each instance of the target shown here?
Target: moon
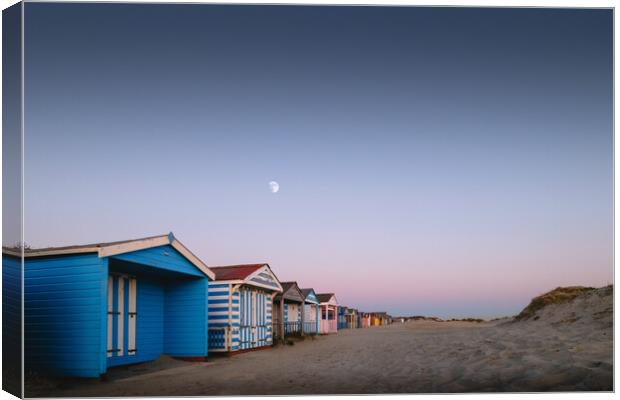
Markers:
(274, 186)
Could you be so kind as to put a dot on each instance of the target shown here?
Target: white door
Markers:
(131, 315)
(110, 314)
(123, 313)
(121, 316)
(254, 318)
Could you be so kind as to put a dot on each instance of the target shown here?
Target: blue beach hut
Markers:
(240, 307)
(91, 307)
(342, 319)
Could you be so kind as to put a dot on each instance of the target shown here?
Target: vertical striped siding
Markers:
(250, 324)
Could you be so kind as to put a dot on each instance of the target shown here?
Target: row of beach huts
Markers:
(90, 307)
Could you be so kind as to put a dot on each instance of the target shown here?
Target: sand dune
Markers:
(560, 347)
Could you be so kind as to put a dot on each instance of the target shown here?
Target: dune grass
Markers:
(556, 296)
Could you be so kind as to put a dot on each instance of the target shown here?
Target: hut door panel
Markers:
(131, 317)
(121, 329)
(261, 330)
(121, 316)
(110, 346)
(254, 316)
(245, 320)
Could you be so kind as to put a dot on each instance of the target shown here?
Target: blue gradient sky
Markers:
(431, 161)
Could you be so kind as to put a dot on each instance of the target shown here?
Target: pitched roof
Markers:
(306, 294)
(82, 248)
(287, 285)
(290, 291)
(235, 272)
(324, 297)
(106, 249)
(307, 291)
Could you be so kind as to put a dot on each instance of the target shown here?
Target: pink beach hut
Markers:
(328, 313)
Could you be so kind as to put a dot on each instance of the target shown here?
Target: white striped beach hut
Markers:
(240, 307)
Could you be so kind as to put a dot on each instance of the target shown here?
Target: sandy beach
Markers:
(564, 347)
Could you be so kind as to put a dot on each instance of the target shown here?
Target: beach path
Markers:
(414, 357)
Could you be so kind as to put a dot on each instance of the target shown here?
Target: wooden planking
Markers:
(247, 309)
(150, 295)
(11, 323)
(67, 311)
(110, 308)
(186, 318)
(63, 320)
(120, 320)
(163, 257)
(131, 317)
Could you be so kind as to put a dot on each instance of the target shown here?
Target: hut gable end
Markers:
(292, 292)
(310, 296)
(264, 277)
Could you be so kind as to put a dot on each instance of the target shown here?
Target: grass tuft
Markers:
(556, 296)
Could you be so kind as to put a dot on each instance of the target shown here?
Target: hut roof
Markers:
(310, 295)
(107, 249)
(324, 297)
(259, 275)
(328, 298)
(233, 272)
(291, 291)
(287, 285)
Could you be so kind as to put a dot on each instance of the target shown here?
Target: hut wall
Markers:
(11, 324)
(186, 309)
(292, 313)
(310, 312)
(255, 318)
(223, 317)
(239, 318)
(65, 313)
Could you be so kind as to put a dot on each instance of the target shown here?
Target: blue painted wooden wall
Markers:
(11, 324)
(150, 296)
(186, 309)
(165, 258)
(65, 310)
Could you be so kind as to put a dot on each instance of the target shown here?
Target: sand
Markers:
(568, 347)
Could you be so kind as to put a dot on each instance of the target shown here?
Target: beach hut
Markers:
(365, 320)
(288, 310)
(311, 312)
(360, 316)
(240, 307)
(328, 313)
(342, 319)
(379, 318)
(351, 318)
(91, 307)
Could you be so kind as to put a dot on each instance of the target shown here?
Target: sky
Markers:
(432, 161)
